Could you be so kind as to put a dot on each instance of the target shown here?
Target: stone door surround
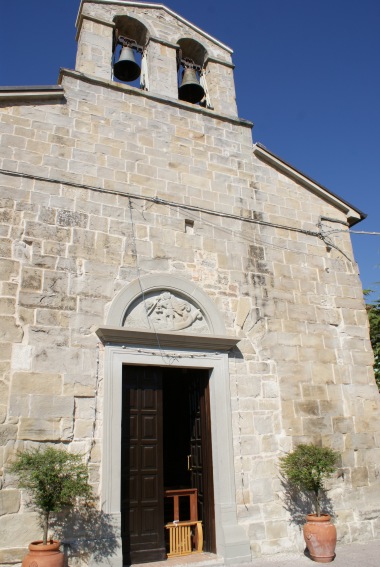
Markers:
(125, 345)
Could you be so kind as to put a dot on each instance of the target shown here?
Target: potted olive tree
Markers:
(55, 480)
(306, 468)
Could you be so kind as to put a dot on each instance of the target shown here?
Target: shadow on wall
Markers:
(88, 534)
(298, 504)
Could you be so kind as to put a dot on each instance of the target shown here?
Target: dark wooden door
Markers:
(201, 458)
(142, 512)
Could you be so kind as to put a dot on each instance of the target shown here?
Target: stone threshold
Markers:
(193, 559)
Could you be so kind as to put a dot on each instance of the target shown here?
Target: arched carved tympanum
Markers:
(163, 302)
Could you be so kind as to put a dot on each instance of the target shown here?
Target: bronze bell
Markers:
(190, 89)
(126, 69)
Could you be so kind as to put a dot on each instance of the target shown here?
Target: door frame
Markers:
(231, 540)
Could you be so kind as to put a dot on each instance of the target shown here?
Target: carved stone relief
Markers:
(165, 311)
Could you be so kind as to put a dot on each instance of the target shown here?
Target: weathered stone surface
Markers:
(79, 385)
(9, 501)
(13, 555)
(12, 530)
(302, 371)
(9, 330)
(8, 432)
(36, 383)
(51, 407)
(35, 429)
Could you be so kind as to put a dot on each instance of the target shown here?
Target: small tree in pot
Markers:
(307, 468)
(55, 480)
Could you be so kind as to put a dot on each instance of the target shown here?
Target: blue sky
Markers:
(307, 74)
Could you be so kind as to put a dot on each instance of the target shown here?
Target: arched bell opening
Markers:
(129, 49)
(191, 73)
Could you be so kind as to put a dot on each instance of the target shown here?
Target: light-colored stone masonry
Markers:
(81, 217)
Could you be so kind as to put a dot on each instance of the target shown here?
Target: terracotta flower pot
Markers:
(41, 555)
(320, 537)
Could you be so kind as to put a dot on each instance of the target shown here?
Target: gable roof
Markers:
(354, 215)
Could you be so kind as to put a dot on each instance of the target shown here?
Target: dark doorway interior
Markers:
(166, 444)
(176, 427)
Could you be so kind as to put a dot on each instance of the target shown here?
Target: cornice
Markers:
(140, 337)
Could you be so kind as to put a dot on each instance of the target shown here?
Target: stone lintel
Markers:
(121, 335)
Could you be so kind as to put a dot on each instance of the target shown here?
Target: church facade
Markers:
(179, 305)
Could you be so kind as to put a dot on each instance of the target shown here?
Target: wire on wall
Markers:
(167, 358)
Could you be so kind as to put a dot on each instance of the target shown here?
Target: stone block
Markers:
(83, 428)
(262, 491)
(8, 432)
(7, 306)
(263, 424)
(270, 389)
(256, 531)
(308, 408)
(316, 425)
(6, 351)
(36, 384)
(361, 531)
(18, 405)
(85, 408)
(31, 278)
(53, 336)
(9, 330)
(3, 413)
(343, 424)
(51, 407)
(34, 429)
(79, 385)
(9, 501)
(21, 529)
(314, 392)
(12, 555)
(276, 529)
(359, 477)
(55, 282)
(48, 300)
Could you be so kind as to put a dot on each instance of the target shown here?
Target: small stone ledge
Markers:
(25, 93)
(141, 337)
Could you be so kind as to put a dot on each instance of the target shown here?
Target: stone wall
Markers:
(113, 184)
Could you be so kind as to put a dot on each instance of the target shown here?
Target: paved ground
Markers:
(353, 555)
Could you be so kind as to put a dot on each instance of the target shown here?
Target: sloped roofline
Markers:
(161, 7)
(354, 215)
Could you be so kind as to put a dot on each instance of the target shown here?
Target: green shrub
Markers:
(307, 467)
(55, 480)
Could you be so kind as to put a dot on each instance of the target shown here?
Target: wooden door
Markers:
(142, 511)
(201, 476)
